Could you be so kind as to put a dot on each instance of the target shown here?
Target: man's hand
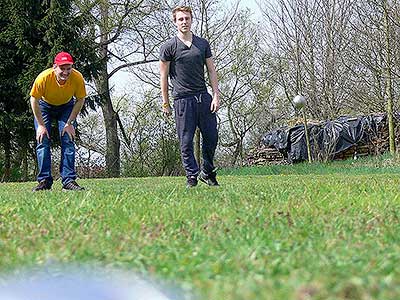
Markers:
(214, 105)
(70, 130)
(41, 132)
(166, 109)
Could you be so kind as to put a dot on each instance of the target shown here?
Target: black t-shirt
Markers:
(187, 65)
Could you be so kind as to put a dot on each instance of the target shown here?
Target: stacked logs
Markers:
(355, 152)
(265, 156)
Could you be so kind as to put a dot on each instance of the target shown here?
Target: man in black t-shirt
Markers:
(183, 58)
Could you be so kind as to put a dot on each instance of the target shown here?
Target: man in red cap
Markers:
(57, 94)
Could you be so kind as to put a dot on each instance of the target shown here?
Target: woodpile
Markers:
(265, 156)
(381, 142)
(355, 152)
(378, 143)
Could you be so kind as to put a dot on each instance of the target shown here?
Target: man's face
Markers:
(63, 72)
(183, 21)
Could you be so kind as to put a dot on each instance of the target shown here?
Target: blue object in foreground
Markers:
(67, 284)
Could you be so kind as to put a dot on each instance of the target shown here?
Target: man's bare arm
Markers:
(212, 73)
(76, 109)
(69, 127)
(41, 130)
(164, 71)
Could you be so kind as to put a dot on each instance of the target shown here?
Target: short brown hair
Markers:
(183, 9)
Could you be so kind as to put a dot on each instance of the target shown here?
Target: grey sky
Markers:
(251, 4)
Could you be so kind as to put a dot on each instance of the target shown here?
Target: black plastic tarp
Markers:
(326, 138)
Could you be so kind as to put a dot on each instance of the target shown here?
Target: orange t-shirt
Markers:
(47, 88)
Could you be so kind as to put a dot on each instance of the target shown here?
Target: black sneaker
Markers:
(209, 179)
(42, 186)
(72, 186)
(191, 181)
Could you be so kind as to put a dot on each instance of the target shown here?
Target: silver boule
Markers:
(299, 101)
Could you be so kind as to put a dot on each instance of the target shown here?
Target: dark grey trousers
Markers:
(191, 112)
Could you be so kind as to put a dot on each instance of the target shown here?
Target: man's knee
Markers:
(67, 144)
(45, 143)
(66, 139)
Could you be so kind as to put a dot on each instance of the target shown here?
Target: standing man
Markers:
(52, 99)
(183, 58)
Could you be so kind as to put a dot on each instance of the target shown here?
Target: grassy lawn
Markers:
(289, 232)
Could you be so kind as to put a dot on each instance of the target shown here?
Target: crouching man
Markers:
(52, 98)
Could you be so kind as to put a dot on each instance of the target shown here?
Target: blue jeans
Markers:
(60, 113)
(191, 112)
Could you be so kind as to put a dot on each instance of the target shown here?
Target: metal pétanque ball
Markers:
(299, 101)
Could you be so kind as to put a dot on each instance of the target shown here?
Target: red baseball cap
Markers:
(63, 58)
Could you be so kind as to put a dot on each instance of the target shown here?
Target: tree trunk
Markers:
(236, 152)
(113, 160)
(23, 161)
(388, 73)
(7, 156)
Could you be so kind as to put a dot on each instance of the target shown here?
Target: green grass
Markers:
(384, 164)
(317, 235)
